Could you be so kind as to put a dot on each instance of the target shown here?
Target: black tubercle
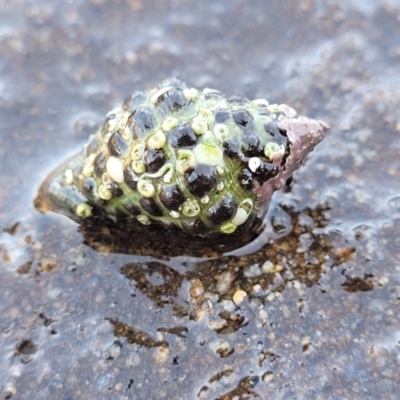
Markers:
(232, 149)
(92, 147)
(171, 101)
(99, 165)
(141, 121)
(183, 136)
(245, 179)
(251, 145)
(222, 116)
(194, 227)
(106, 125)
(131, 208)
(117, 146)
(172, 197)
(130, 178)
(265, 172)
(151, 207)
(223, 210)
(116, 189)
(243, 119)
(154, 159)
(201, 180)
(89, 186)
(273, 129)
(135, 100)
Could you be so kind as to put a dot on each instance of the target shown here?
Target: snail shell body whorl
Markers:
(183, 158)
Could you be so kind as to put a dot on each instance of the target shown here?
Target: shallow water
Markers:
(317, 294)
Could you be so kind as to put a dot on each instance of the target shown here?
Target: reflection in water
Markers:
(213, 290)
(301, 256)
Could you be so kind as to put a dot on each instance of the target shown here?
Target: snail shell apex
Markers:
(183, 158)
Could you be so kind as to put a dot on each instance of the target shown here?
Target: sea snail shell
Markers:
(183, 158)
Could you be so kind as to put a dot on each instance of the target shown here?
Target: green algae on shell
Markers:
(185, 159)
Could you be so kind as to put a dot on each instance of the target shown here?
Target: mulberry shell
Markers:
(180, 157)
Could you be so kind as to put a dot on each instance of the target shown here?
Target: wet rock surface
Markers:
(306, 310)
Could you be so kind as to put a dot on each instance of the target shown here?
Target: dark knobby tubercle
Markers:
(185, 159)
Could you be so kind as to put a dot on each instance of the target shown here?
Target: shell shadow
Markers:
(107, 237)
